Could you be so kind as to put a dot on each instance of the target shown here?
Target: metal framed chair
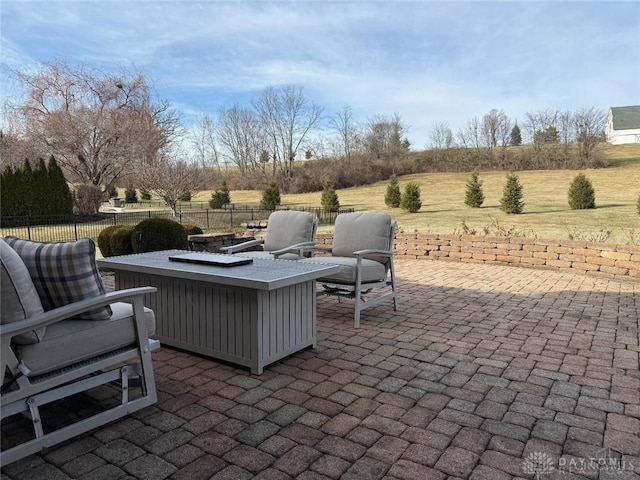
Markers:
(46, 356)
(363, 248)
(288, 231)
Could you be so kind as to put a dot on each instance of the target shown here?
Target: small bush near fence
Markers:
(64, 228)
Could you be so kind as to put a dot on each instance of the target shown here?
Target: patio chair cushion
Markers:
(286, 228)
(360, 231)
(71, 341)
(63, 273)
(19, 298)
(372, 271)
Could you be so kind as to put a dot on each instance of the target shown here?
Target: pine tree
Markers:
(220, 197)
(516, 136)
(59, 189)
(329, 199)
(270, 197)
(410, 200)
(27, 188)
(43, 203)
(511, 201)
(130, 195)
(7, 192)
(581, 193)
(393, 196)
(474, 197)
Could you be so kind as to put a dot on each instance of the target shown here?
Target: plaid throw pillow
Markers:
(63, 273)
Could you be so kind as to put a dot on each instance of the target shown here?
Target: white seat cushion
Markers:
(72, 341)
(372, 271)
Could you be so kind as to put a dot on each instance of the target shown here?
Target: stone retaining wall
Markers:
(602, 259)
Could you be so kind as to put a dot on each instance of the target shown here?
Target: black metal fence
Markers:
(63, 228)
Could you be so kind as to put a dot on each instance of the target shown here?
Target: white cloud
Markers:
(429, 61)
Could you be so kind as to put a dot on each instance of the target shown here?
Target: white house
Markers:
(623, 125)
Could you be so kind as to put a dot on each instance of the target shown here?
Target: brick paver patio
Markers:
(484, 372)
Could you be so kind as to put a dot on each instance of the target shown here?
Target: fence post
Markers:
(149, 213)
(207, 217)
(231, 217)
(115, 219)
(29, 227)
(75, 228)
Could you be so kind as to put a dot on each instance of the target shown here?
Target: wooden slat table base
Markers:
(243, 326)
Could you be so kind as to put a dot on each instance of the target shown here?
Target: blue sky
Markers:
(429, 61)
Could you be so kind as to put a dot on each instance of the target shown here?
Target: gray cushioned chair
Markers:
(363, 247)
(51, 355)
(288, 231)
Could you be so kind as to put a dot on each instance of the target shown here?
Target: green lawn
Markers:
(546, 213)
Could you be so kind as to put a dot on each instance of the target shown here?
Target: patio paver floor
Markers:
(484, 372)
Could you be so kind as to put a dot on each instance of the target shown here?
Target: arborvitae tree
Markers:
(59, 189)
(393, 196)
(270, 197)
(7, 192)
(27, 188)
(113, 192)
(145, 194)
(410, 200)
(44, 202)
(130, 195)
(516, 136)
(220, 197)
(329, 199)
(581, 193)
(474, 197)
(511, 201)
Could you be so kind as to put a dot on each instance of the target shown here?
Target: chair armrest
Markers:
(373, 251)
(298, 248)
(68, 311)
(242, 246)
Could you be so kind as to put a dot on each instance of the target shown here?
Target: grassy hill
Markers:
(546, 213)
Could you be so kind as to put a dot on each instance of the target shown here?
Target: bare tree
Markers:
(242, 138)
(287, 117)
(342, 123)
(541, 127)
(441, 136)
(170, 178)
(383, 136)
(589, 125)
(204, 142)
(495, 129)
(470, 136)
(97, 125)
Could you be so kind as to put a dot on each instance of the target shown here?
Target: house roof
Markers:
(625, 118)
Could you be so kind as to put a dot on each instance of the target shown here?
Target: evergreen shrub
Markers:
(329, 199)
(270, 197)
(192, 229)
(130, 195)
(104, 240)
(410, 200)
(145, 194)
(392, 197)
(120, 241)
(581, 193)
(220, 197)
(158, 234)
(511, 201)
(474, 196)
